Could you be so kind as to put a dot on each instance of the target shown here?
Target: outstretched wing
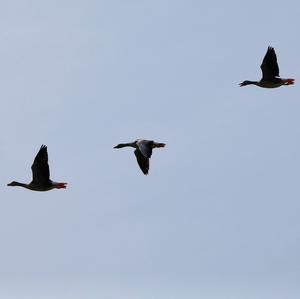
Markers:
(269, 66)
(40, 167)
(142, 161)
(145, 146)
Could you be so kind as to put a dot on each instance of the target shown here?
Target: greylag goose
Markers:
(143, 151)
(40, 174)
(270, 73)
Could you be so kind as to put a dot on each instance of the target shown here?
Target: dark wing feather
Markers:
(40, 167)
(142, 161)
(145, 146)
(269, 65)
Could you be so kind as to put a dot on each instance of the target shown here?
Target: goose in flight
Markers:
(270, 73)
(40, 174)
(143, 151)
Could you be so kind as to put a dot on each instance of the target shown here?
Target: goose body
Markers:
(270, 73)
(143, 151)
(40, 174)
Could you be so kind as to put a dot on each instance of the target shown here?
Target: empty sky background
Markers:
(218, 215)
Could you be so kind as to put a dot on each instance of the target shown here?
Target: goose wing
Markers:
(40, 167)
(145, 146)
(142, 161)
(269, 66)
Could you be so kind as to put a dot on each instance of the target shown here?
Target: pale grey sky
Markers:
(218, 216)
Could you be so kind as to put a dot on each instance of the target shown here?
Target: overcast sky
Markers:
(218, 215)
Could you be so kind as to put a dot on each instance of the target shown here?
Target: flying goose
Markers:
(270, 73)
(40, 174)
(143, 151)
